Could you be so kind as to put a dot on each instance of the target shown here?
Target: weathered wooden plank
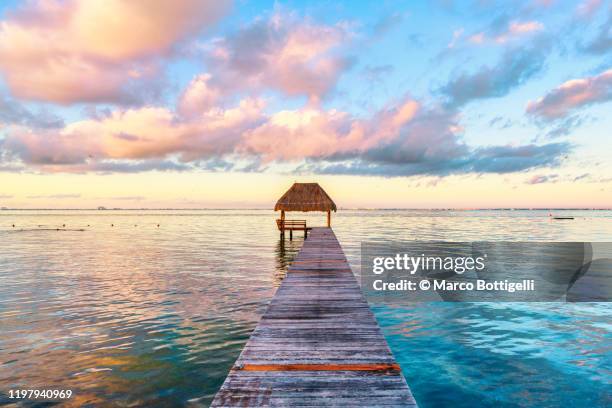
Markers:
(318, 344)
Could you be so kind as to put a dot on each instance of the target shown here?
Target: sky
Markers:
(387, 104)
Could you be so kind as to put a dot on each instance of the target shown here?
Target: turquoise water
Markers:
(503, 355)
(127, 312)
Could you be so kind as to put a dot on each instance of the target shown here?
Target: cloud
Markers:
(514, 68)
(519, 28)
(143, 133)
(314, 133)
(572, 95)
(55, 196)
(513, 30)
(566, 126)
(129, 166)
(14, 113)
(582, 177)
(5, 196)
(376, 73)
(601, 43)
(496, 159)
(544, 3)
(215, 164)
(404, 138)
(293, 56)
(499, 31)
(90, 51)
(539, 179)
(387, 23)
(509, 159)
(199, 96)
(293, 135)
(128, 198)
(501, 122)
(457, 34)
(503, 159)
(588, 8)
(39, 146)
(11, 168)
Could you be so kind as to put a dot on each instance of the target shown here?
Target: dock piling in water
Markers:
(318, 343)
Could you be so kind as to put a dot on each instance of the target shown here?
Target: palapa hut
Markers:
(303, 197)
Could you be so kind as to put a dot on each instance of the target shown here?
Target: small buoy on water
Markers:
(157, 225)
(112, 225)
(13, 225)
(64, 225)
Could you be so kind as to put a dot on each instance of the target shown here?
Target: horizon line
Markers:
(339, 209)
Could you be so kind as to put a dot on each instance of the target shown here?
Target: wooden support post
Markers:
(282, 224)
(290, 235)
(305, 233)
(328, 218)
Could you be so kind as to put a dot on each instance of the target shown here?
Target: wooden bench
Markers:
(292, 225)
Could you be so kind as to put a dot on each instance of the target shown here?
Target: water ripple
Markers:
(139, 315)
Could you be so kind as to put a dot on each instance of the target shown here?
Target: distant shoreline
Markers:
(340, 209)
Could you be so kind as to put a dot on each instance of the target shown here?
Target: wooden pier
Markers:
(318, 344)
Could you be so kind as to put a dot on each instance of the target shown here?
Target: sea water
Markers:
(151, 308)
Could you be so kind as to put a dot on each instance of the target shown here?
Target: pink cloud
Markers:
(478, 38)
(294, 135)
(295, 57)
(199, 96)
(242, 130)
(136, 134)
(572, 95)
(456, 36)
(588, 8)
(545, 3)
(314, 133)
(539, 179)
(71, 51)
(515, 29)
(403, 139)
(524, 28)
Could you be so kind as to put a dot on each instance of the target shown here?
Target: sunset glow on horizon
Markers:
(209, 104)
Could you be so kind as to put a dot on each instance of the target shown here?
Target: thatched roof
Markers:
(305, 197)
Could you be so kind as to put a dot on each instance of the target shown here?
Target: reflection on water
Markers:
(127, 312)
(285, 252)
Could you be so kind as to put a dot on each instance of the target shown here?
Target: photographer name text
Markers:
(406, 285)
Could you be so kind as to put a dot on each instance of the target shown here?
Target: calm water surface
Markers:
(129, 313)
